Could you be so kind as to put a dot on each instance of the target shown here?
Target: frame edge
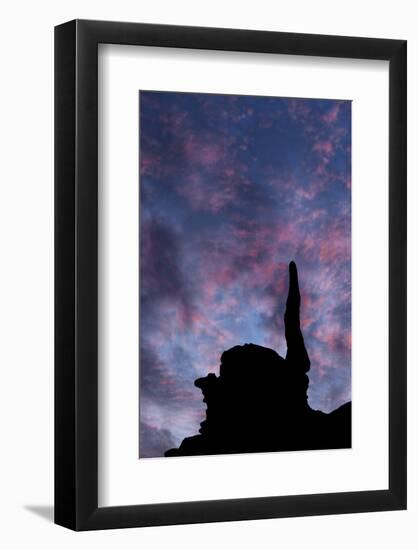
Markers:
(65, 258)
(398, 274)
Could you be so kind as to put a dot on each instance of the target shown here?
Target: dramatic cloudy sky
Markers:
(232, 188)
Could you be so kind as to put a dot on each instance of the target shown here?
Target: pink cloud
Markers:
(324, 147)
(331, 116)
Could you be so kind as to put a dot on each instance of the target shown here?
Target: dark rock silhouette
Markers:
(259, 402)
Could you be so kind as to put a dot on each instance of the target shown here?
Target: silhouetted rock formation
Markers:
(259, 401)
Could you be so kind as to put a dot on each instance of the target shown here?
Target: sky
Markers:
(232, 188)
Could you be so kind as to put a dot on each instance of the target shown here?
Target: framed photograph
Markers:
(230, 254)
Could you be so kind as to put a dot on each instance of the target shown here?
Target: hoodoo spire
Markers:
(296, 352)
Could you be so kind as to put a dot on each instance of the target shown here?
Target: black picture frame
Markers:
(76, 272)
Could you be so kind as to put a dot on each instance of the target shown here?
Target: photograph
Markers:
(245, 274)
(209, 256)
(230, 274)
